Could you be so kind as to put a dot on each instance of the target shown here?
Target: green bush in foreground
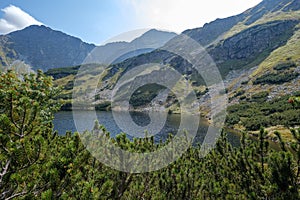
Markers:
(26, 116)
(36, 164)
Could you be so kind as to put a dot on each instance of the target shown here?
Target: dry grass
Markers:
(295, 15)
(64, 80)
(285, 133)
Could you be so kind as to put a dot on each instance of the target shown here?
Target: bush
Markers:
(26, 115)
(104, 106)
(257, 112)
(285, 66)
(38, 164)
(260, 97)
(275, 78)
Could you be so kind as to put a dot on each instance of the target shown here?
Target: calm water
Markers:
(64, 122)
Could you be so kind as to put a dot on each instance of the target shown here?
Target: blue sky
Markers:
(98, 20)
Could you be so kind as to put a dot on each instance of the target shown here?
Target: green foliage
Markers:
(104, 106)
(25, 124)
(39, 164)
(260, 97)
(258, 112)
(239, 92)
(294, 101)
(285, 66)
(144, 95)
(276, 78)
(58, 73)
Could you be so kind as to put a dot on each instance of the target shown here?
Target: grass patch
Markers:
(275, 16)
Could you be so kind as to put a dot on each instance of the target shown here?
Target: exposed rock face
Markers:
(211, 31)
(241, 51)
(236, 56)
(214, 30)
(116, 52)
(237, 44)
(256, 42)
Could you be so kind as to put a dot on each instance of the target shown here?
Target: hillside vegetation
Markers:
(248, 49)
(255, 112)
(36, 163)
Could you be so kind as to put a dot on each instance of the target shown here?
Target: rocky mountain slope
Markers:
(238, 42)
(255, 51)
(119, 51)
(222, 28)
(44, 48)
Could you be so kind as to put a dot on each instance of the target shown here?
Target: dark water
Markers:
(64, 122)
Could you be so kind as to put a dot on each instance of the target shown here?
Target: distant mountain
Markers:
(119, 51)
(240, 42)
(44, 48)
(255, 51)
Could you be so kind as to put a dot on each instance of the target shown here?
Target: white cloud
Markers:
(179, 15)
(15, 19)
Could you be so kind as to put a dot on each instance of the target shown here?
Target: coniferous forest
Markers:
(36, 163)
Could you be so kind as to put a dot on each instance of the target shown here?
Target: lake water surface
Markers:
(64, 122)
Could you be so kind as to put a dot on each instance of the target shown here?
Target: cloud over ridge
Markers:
(15, 19)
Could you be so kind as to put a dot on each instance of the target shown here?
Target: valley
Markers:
(255, 58)
(212, 112)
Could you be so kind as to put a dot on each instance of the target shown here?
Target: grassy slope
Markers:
(291, 52)
(287, 53)
(279, 15)
(268, 114)
(7, 56)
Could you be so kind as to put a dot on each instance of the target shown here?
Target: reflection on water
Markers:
(137, 116)
(64, 122)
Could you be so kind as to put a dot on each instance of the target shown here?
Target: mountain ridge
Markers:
(239, 48)
(45, 48)
(250, 49)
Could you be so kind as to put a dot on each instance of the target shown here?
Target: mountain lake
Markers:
(64, 121)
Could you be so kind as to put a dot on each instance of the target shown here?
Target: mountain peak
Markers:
(33, 28)
(119, 51)
(153, 32)
(45, 48)
(154, 38)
